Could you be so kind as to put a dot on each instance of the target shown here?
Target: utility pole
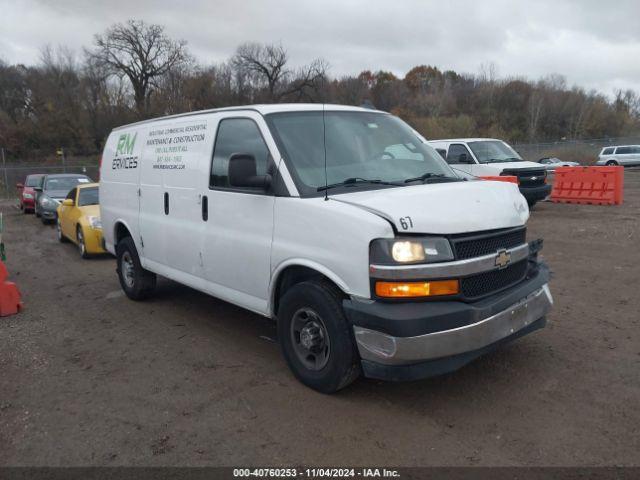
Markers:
(4, 167)
(60, 152)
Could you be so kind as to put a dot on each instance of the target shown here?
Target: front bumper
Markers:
(93, 240)
(49, 213)
(534, 194)
(406, 341)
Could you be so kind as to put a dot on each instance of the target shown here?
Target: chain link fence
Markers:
(12, 174)
(584, 152)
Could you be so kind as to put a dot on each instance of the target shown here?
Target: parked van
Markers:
(625, 155)
(339, 223)
(492, 157)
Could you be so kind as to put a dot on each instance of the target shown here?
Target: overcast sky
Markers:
(593, 43)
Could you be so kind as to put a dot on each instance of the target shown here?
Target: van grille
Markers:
(487, 283)
(478, 245)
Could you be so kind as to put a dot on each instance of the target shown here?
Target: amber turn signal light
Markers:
(417, 289)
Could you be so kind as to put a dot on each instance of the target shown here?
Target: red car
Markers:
(27, 194)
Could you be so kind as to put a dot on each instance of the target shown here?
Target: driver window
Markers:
(455, 151)
(237, 135)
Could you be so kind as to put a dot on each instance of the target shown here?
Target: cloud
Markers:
(591, 43)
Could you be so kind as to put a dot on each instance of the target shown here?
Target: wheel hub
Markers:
(311, 336)
(127, 269)
(310, 340)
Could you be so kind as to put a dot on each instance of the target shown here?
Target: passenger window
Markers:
(623, 150)
(455, 153)
(608, 151)
(237, 135)
(635, 150)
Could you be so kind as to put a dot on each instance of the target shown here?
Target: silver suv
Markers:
(623, 155)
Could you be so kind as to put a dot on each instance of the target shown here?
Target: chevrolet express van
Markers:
(339, 223)
(492, 157)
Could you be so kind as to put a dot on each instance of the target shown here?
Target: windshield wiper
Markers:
(352, 181)
(429, 175)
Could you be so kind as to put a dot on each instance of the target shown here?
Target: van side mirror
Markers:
(67, 202)
(38, 188)
(242, 172)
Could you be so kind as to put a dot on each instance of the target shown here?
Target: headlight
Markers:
(410, 250)
(95, 222)
(27, 195)
(47, 202)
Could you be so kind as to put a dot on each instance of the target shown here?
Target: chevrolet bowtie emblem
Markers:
(534, 178)
(503, 259)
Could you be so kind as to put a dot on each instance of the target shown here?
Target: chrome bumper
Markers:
(388, 350)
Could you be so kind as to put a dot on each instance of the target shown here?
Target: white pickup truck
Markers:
(337, 222)
(493, 157)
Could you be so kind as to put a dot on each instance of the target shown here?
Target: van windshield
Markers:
(363, 149)
(494, 151)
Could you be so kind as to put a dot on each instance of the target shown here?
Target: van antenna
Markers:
(324, 143)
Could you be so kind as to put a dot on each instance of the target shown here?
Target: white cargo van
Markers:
(492, 157)
(339, 223)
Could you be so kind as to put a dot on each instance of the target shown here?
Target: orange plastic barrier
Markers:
(10, 303)
(588, 185)
(502, 178)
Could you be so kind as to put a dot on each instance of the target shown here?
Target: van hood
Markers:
(513, 165)
(445, 208)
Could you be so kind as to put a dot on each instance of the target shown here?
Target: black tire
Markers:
(61, 237)
(612, 163)
(136, 282)
(531, 203)
(82, 247)
(341, 360)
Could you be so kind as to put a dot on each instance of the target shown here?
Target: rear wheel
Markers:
(82, 247)
(136, 282)
(315, 337)
(61, 237)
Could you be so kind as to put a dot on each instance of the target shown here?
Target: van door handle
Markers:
(166, 203)
(205, 208)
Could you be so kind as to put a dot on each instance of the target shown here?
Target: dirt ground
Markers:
(88, 377)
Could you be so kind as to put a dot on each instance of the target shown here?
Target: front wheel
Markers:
(612, 163)
(136, 282)
(315, 337)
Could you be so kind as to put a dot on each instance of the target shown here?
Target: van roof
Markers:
(263, 109)
(465, 140)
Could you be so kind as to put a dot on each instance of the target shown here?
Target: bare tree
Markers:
(266, 67)
(264, 63)
(142, 53)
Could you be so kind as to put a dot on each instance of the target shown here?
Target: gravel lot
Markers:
(88, 377)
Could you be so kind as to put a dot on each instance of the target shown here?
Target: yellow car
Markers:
(79, 219)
